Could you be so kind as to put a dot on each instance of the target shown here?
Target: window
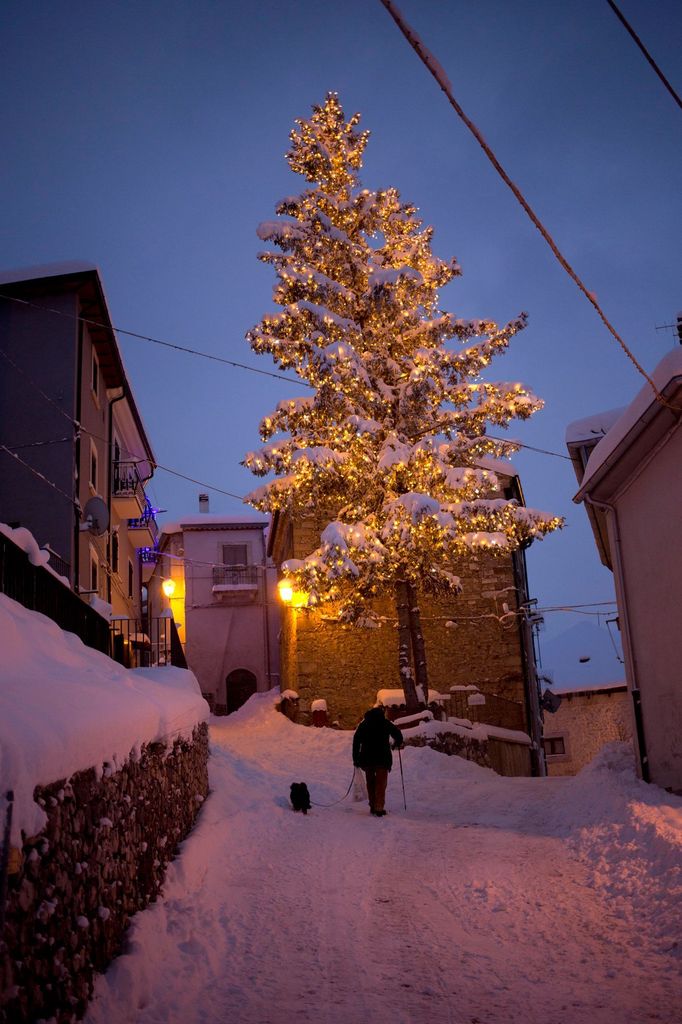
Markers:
(114, 550)
(94, 379)
(235, 554)
(131, 578)
(555, 746)
(94, 571)
(93, 467)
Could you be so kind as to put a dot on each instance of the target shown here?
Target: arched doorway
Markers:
(239, 686)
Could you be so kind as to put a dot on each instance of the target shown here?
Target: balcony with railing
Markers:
(235, 583)
(146, 643)
(127, 490)
(143, 529)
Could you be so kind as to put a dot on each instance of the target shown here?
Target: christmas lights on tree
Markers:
(391, 443)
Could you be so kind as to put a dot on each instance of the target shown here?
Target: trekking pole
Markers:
(400, 760)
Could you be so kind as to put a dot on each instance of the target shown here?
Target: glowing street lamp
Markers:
(287, 595)
(168, 587)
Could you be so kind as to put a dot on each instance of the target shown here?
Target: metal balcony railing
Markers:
(127, 482)
(235, 575)
(146, 642)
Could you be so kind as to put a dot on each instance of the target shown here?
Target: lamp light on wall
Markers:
(168, 587)
(287, 594)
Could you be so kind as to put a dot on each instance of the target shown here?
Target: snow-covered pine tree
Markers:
(389, 441)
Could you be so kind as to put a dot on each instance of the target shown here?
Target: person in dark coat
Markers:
(372, 753)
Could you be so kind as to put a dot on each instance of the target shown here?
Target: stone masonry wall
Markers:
(503, 756)
(587, 721)
(101, 857)
(346, 665)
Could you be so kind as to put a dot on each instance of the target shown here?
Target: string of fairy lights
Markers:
(405, 334)
(10, 451)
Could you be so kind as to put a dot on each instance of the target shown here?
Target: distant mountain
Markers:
(561, 656)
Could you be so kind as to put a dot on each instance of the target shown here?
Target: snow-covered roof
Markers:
(212, 521)
(633, 420)
(592, 427)
(575, 691)
(500, 466)
(37, 271)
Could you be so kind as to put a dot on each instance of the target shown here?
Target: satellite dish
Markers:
(95, 517)
(550, 702)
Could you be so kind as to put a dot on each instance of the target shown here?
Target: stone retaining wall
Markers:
(101, 857)
(504, 756)
(452, 743)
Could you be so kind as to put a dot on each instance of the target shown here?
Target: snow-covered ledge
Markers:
(107, 769)
(506, 751)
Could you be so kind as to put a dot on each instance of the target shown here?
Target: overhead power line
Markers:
(436, 70)
(79, 428)
(628, 27)
(228, 362)
(146, 337)
(41, 476)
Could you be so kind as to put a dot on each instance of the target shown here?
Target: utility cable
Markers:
(436, 70)
(154, 341)
(628, 27)
(98, 437)
(41, 476)
(228, 362)
(38, 444)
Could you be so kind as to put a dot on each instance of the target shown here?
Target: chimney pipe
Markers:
(203, 502)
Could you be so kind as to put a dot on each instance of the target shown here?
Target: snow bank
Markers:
(65, 707)
(479, 875)
(37, 556)
(629, 835)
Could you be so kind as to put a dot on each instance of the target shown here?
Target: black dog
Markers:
(300, 797)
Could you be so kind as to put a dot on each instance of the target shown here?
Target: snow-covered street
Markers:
(489, 900)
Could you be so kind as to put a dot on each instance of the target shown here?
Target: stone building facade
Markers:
(585, 721)
(470, 638)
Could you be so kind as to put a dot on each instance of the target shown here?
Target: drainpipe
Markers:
(110, 482)
(77, 462)
(266, 614)
(628, 646)
(532, 695)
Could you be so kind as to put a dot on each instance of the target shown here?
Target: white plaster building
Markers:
(628, 467)
(224, 603)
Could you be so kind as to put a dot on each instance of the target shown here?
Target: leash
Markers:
(402, 778)
(350, 786)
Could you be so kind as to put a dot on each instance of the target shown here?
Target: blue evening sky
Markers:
(149, 138)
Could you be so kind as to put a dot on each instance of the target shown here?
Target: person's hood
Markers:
(374, 714)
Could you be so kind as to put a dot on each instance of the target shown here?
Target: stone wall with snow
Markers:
(506, 751)
(586, 720)
(100, 858)
(346, 665)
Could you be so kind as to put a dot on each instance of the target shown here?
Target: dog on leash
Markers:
(300, 797)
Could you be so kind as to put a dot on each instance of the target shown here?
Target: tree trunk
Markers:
(417, 640)
(404, 644)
